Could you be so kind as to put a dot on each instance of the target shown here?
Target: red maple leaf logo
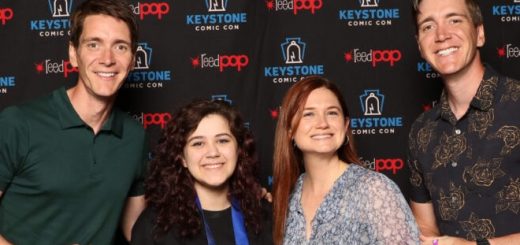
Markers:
(274, 113)
(195, 62)
(39, 67)
(348, 56)
(501, 52)
(269, 4)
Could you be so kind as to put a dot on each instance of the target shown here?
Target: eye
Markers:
(308, 114)
(223, 141)
(197, 144)
(92, 45)
(122, 48)
(455, 21)
(426, 27)
(333, 113)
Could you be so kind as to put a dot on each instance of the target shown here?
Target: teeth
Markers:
(321, 136)
(448, 51)
(215, 165)
(106, 74)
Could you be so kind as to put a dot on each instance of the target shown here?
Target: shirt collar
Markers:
(69, 118)
(483, 99)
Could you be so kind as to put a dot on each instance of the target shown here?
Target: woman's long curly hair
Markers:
(170, 186)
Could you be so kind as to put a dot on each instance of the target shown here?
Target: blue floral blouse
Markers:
(363, 207)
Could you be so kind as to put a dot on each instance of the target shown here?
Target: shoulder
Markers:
(374, 180)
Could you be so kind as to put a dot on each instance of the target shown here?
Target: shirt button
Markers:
(457, 131)
(454, 164)
(457, 232)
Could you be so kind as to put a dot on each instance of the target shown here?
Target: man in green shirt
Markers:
(71, 165)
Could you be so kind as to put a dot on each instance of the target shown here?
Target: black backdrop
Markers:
(249, 52)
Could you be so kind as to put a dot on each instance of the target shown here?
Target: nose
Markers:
(322, 121)
(441, 33)
(212, 150)
(107, 57)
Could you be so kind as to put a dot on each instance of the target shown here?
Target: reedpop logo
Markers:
(6, 14)
(383, 164)
(220, 61)
(56, 67)
(508, 51)
(294, 5)
(157, 9)
(373, 56)
(153, 119)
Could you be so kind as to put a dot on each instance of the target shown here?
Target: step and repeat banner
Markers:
(249, 52)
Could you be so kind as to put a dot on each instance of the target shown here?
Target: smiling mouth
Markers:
(321, 136)
(446, 52)
(106, 74)
(212, 165)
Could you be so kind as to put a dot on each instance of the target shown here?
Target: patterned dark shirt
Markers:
(362, 208)
(470, 168)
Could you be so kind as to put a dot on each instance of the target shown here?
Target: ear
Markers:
(73, 55)
(481, 37)
(132, 66)
(184, 162)
(347, 123)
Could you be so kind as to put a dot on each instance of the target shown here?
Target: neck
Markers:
(93, 111)
(462, 87)
(322, 171)
(213, 199)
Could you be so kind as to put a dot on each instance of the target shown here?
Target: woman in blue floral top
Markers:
(335, 201)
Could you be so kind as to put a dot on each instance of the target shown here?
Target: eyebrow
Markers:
(429, 18)
(97, 39)
(202, 137)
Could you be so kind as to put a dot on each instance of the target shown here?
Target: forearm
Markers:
(506, 240)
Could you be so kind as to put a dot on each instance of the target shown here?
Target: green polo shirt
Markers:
(61, 183)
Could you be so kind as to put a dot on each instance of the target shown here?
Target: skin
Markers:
(320, 133)
(211, 155)
(449, 41)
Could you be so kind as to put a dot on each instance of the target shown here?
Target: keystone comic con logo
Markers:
(426, 69)
(6, 82)
(217, 18)
(295, 6)
(6, 14)
(373, 56)
(369, 14)
(220, 61)
(508, 12)
(154, 9)
(142, 76)
(293, 54)
(58, 26)
(372, 105)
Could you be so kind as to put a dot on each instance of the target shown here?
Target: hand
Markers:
(444, 240)
(267, 195)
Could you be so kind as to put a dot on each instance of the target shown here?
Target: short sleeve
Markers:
(418, 191)
(14, 138)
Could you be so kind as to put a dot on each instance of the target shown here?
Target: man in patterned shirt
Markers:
(465, 152)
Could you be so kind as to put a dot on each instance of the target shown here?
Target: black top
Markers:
(470, 168)
(220, 223)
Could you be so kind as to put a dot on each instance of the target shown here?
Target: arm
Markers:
(389, 215)
(449, 240)
(425, 217)
(134, 207)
